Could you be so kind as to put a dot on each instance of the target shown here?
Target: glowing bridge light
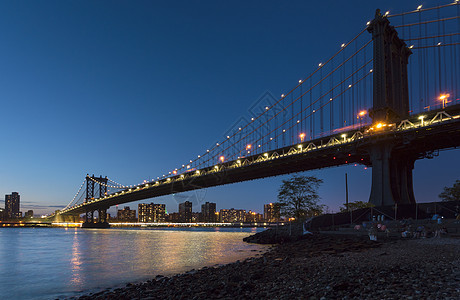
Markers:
(444, 98)
(419, 7)
(368, 23)
(362, 113)
(222, 158)
(387, 13)
(266, 154)
(320, 64)
(343, 45)
(249, 146)
(411, 46)
(379, 125)
(302, 136)
(300, 80)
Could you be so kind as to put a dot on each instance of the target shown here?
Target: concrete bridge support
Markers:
(69, 219)
(391, 176)
(102, 215)
(391, 172)
(89, 216)
(101, 220)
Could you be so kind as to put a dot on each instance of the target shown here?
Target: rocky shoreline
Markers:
(319, 266)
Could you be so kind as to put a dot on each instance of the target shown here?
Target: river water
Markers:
(50, 263)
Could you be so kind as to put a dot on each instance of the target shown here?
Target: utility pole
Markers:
(346, 199)
(346, 192)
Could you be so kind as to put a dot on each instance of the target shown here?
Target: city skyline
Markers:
(109, 89)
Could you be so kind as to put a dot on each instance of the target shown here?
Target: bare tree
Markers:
(298, 197)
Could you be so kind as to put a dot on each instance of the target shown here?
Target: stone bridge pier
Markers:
(391, 171)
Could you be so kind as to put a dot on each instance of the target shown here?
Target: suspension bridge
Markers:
(386, 98)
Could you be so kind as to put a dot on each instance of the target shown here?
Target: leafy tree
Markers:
(356, 205)
(451, 193)
(298, 197)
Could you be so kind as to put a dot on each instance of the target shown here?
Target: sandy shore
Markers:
(319, 267)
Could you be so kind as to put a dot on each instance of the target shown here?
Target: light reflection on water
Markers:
(45, 263)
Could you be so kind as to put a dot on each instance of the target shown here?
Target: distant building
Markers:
(196, 217)
(126, 215)
(12, 206)
(2, 214)
(185, 212)
(208, 212)
(172, 217)
(232, 215)
(253, 217)
(29, 214)
(152, 213)
(271, 212)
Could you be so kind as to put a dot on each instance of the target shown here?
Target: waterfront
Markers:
(319, 266)
(46, 263)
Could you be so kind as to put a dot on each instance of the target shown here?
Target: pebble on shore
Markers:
(319, 267)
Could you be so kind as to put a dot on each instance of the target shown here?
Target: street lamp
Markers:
(302, 136)
(360, 116)
(443, 98)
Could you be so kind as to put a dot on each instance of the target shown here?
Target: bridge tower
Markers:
(90, 194)
(391, 171)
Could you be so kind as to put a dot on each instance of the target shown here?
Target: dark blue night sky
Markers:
(133, 89)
